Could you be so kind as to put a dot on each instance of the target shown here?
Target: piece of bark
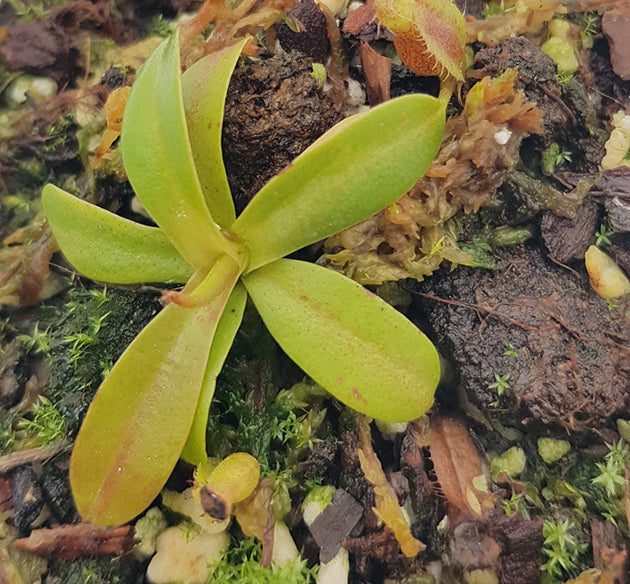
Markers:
(616, 28)
(614, 183)
(362, 25)
(6, 500)
(618, 211)
(472, 548)
(381, 545)
(568, 239)
(15, 459)
(614, 186)
(359, 18)
(378, 72)
(69, 542)
(606, 536)
(521, 541)
(334, 524)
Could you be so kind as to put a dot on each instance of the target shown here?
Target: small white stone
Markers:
(502, 136)
(355, 93)
(186, 557)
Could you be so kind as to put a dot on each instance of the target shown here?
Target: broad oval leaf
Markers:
(205, 86)
(353, 171)
(194, 450)
(106, 247)
(158, 158)
(364, 352)
(140, 418)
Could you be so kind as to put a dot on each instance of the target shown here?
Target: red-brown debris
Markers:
(69, 542)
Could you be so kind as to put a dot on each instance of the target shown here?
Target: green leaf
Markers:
(353, 171)
(195, 448)
(205, 86)
(138, 422)
(105, 247)
(350, 341)
(158, 158)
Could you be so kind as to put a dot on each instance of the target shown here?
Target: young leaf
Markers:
(158, 159)
(353, 171)
(105, 247)
(195, 448)
(205, 86)
(138, 422)
(364, 352)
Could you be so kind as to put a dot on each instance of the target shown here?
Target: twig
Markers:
(491, 311)
(15, 459)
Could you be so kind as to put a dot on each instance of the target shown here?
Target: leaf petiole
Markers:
(223, 275)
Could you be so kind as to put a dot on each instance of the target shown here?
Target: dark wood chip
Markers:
(335, 523)
(6, 501)
(69, 542)
(378, 72)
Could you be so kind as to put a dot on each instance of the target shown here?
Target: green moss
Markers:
(241, 565)
(93, 330)
(124, 570)
(251, 414)
(45, 426)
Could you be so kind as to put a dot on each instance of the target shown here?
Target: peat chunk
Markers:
(55, 486)
(12, 380)
(27, 498)
(521, 542)
(534, 337)
(568, 239)
(274, 110)
(320, 459)
(312, 35)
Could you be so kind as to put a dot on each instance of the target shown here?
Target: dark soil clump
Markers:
(274, 110)
(561, 352)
